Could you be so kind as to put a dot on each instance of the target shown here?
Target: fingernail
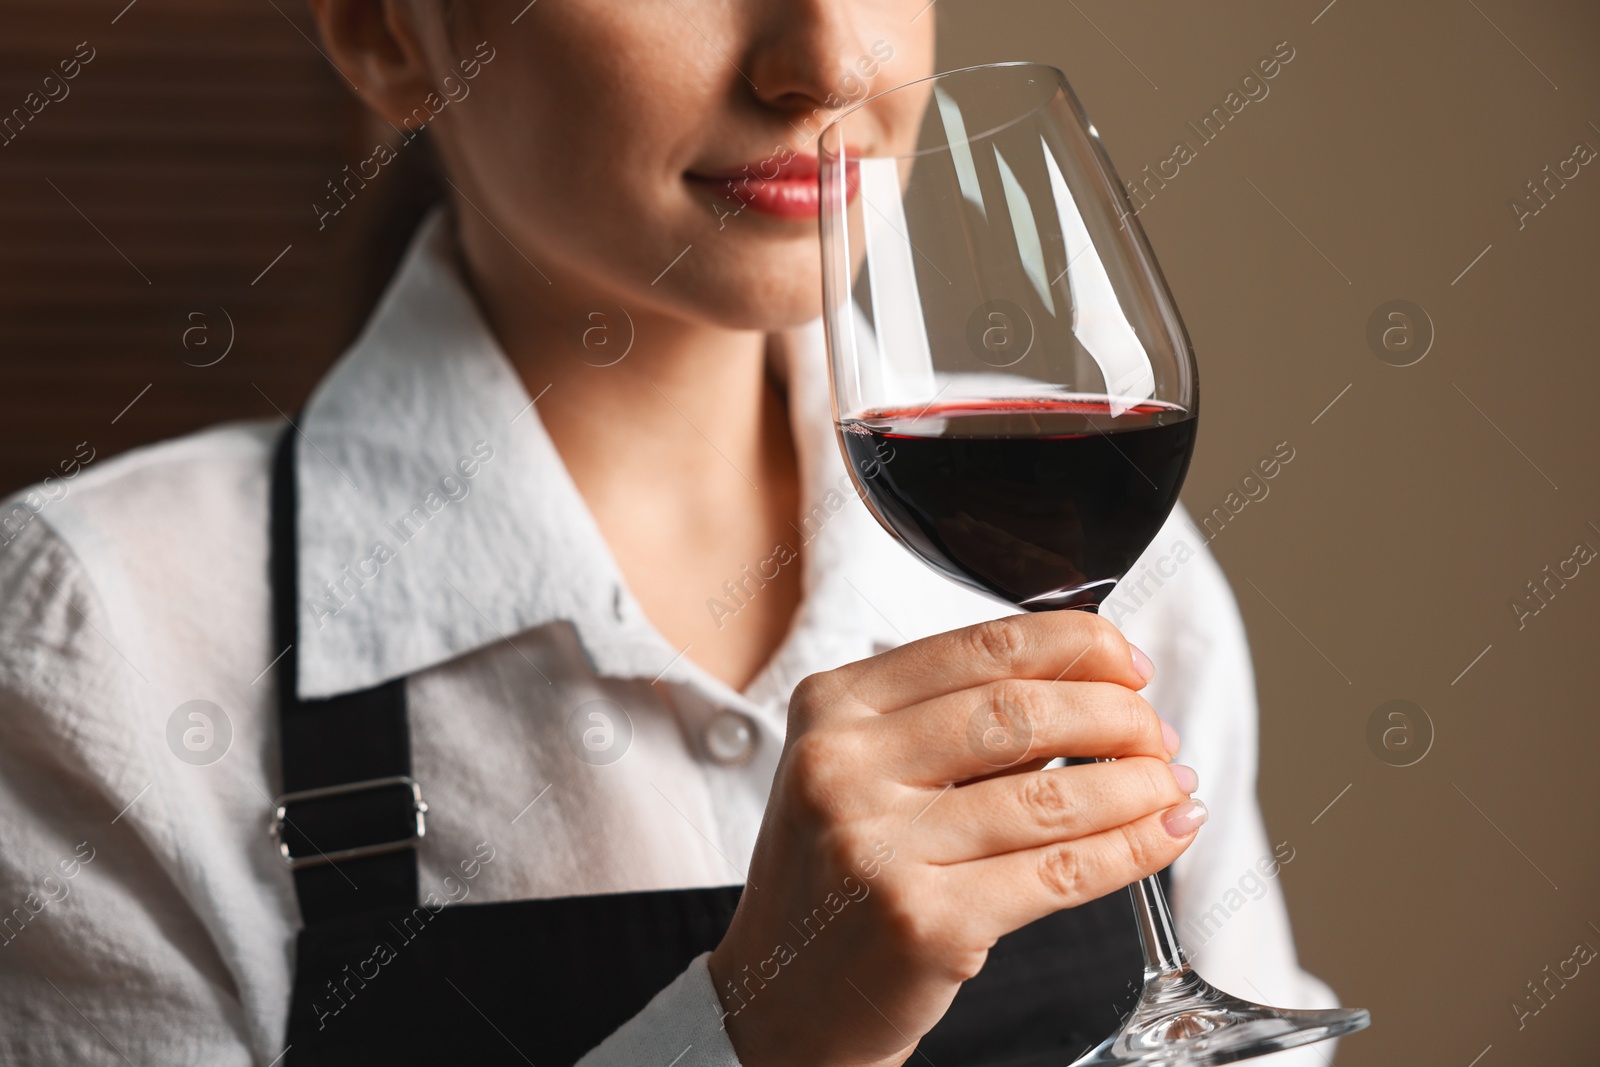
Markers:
(1169, 736)
(1142, 664)
(1187, 779)
(1185, 819)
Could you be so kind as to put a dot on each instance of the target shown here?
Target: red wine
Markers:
(1043, 503)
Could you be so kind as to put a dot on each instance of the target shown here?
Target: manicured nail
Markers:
(1170, 737)
(1142, 664)
(1187, 779)
(1185, 819)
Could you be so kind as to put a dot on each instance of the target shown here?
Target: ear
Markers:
(377, 45)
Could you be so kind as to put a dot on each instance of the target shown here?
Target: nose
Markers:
(808, 54)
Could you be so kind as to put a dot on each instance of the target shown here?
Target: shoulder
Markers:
(163, 482)
(1177, 605)
(166, 501)
(153, 553)
(1176, 587)
(134, 630)
(131, 586)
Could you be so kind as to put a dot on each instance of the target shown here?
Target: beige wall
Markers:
(1386, 555)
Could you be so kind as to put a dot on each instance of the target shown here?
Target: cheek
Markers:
(577, 144)
(911, 49)
(899, 117)
(589, 114)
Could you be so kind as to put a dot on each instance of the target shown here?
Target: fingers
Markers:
(1052, 645)
(1017, 888)
(958, 736)
(1027, 811)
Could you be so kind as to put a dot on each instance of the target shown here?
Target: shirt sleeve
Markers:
(1228, 899)
(103, 960)
(681, 1026)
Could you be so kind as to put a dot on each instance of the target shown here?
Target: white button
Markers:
(730, 738)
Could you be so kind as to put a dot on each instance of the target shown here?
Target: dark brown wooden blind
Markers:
(149, 199)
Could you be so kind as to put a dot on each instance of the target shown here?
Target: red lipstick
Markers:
(785, 189)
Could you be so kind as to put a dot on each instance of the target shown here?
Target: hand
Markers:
(893, 855)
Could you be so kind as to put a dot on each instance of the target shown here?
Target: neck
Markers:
(624, 389)
(681, 447)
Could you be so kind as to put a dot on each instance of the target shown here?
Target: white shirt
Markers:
(143, 910)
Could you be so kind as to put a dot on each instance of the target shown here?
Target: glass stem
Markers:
(1163, 955)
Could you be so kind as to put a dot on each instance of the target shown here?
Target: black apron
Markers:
(381, 978)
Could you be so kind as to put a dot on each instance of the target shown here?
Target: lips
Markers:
(784, 190)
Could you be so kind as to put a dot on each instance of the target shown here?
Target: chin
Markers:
(776, 304)
(755, 285)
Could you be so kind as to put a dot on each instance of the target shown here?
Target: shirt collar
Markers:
(436, 516)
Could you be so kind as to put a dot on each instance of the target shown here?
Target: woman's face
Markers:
(619, 144)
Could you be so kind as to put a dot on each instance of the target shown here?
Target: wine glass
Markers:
(1016, 398)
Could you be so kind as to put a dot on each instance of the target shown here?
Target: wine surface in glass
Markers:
(1042, 502)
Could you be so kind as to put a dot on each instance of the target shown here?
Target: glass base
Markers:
(1182, 1020)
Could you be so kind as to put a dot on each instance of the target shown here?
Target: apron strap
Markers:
(350, 816)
